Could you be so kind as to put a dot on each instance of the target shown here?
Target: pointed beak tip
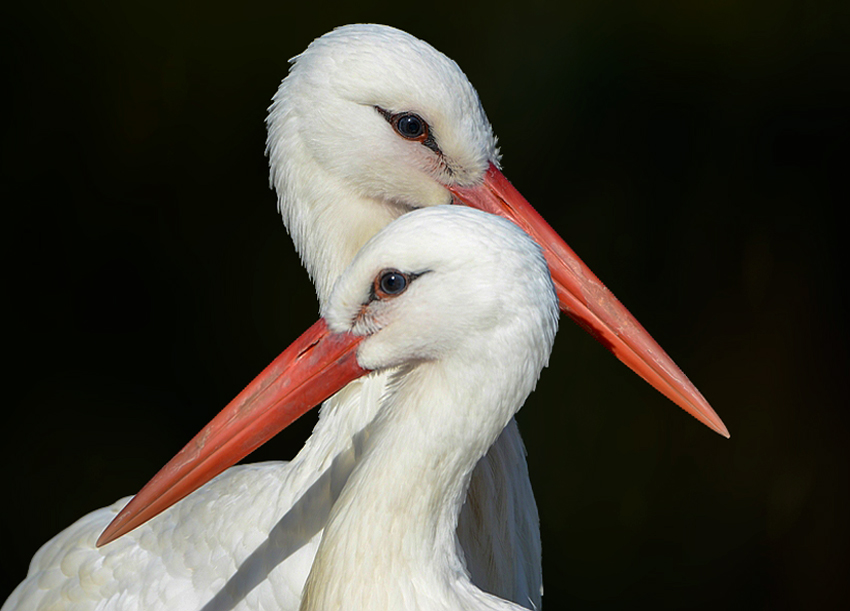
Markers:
(710, 418)
(588, 302)
(104, 538)
(314, 367)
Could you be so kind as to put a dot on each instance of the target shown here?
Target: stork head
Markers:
(444, 283)
(370, 123)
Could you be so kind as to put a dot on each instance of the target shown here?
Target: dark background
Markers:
(689, 152)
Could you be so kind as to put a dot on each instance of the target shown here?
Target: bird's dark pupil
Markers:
(393, 283)
(410, 126)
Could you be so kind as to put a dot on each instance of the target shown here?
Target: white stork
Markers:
(370, 124)
(458, 307)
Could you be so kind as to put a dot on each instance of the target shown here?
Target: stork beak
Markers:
(588, 302)
(314, 367)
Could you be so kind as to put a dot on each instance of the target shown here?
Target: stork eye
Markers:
(411, 126)
(390, 283)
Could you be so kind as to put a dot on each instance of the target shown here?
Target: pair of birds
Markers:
(412, 492)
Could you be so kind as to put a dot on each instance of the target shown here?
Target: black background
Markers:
(689, 152)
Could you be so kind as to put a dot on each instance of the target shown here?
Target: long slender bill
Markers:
(588, 302)
(314, 367)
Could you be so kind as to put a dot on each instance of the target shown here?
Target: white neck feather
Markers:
(328, 221)
(391, 540)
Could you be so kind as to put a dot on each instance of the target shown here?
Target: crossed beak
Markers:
(320, 363)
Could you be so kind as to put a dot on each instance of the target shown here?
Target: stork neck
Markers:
(397, 515)
(343, 233)
(328, 217)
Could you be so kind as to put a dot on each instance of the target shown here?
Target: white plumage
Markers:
(341, 174)
(371, 124)
(211, 551)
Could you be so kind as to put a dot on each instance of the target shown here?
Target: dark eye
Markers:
(410, 126)
(390, 283)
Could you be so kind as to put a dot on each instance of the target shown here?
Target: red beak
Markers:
(588, 302)
(314, 367)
